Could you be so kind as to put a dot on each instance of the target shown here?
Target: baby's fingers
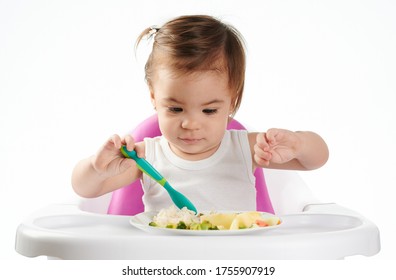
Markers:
(261, 142)
(271, 136)
(260, 161)
(114, 142)
(129, 142)
(261, 157)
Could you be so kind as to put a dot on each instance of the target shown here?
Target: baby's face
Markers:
(192, 110)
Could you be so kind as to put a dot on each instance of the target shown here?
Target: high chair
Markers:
(100, 228)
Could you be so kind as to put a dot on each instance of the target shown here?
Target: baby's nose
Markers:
(190, 123)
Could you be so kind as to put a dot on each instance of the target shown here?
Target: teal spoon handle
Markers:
(144, 166)
(178, 198)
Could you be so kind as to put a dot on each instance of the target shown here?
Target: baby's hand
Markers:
(109, 161)
(277, 146)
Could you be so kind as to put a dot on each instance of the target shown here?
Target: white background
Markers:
(69, 79)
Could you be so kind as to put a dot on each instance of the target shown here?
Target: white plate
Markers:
(142, 220)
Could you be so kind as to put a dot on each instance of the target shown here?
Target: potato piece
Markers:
(245, 220)
(221, 220)
(272, 220)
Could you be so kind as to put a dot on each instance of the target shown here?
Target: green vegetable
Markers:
(205, 225)
(181, 225)
(194, 226)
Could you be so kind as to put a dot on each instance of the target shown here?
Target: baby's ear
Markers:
(231, 110)
(152, 98)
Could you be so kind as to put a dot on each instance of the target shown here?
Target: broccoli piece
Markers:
(181, 225)
(213, 228)
(153, 224)
(205, 225)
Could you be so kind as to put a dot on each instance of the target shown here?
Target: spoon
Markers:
(178, 198)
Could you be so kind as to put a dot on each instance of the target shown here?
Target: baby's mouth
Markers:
(190, 140)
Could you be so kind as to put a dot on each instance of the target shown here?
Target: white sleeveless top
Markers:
(224, 181)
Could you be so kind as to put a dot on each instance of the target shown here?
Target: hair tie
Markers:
(153, 30)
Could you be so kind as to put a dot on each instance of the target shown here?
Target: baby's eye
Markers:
(175, 109)
(209, 111)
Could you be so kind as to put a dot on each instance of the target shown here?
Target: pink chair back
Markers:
(128, 200)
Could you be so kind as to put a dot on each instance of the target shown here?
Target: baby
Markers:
(195, 75)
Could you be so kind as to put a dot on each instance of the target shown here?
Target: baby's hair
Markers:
(194, 43)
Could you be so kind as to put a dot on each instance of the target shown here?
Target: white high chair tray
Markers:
(324, 231)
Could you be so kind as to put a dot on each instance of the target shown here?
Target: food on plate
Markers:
(221, 220)
(175, 218)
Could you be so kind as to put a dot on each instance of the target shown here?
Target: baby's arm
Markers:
(284, 149)
(107, 170)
